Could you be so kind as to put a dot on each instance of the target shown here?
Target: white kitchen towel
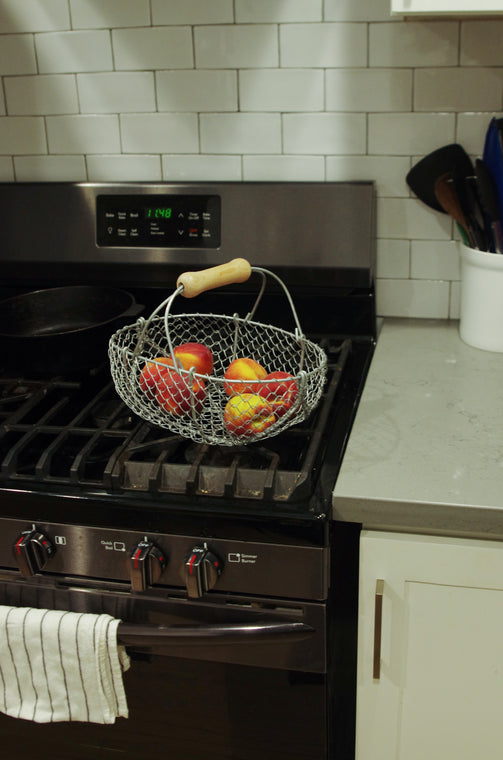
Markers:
(61, 666)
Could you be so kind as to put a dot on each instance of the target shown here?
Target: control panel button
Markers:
(146, 564)
(32, 551)
(202, 570)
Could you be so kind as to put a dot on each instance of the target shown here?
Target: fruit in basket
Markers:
(176, 394)
(280, 390)
(195, 355)
(151, 374)
(247, 414)
(243, 369)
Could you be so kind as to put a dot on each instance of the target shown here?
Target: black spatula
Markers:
(423, 175)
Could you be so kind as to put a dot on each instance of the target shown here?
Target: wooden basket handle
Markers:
(194, 283)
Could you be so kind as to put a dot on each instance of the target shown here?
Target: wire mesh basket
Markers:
(217, 379)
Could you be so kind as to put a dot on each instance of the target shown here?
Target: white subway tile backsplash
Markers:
(161, 47)
(259, 11)
(434, 260)
(420, 299)
(457, 89)
(107, 13)
(120, 168)
(83, 134)
(369, 90)
(393, 259)
(283, 168)
(481, 43)
(324, 133)
(232, 46)
(357, 10)
(281, 90)
(22, 134)
(65, 52)
(33, 15)
(43, 94)
(410, 133)
(201, 168)
(256, 90)
(433, 43)
(323, 45)
(7, 169)
(159, 133)
(240, 133)
(50, 168)
(116, 92)
(406, 218)
(17, 54)
(388, 172)
(454, 300)
(197, 90)
(193, 12)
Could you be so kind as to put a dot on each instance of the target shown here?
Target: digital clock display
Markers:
(158, 212)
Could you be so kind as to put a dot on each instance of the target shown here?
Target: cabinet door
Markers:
(432, 686)
(453, 7)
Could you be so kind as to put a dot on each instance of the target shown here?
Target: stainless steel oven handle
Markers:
(144, 635)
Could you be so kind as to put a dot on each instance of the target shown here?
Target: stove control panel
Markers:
(158, 221)
(183, 562)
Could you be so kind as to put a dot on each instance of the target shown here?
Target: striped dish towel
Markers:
(61, 666)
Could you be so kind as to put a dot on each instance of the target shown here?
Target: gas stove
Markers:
(104, 511)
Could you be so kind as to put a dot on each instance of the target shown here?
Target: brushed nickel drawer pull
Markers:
(378, 628)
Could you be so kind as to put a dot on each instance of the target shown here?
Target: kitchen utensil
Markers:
(447, 197)
(62, 328)
(228, 338)
(493, 158)
(489, 201)
(470, 205)
(423, 175)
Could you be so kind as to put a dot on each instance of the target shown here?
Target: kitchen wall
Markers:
(255, 90)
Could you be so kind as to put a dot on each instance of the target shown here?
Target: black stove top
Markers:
(73, 434)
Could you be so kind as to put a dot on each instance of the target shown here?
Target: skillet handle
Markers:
(194, 283)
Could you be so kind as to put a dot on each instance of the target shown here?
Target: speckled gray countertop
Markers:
(426, 450)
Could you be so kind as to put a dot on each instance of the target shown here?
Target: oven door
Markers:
(226, 679)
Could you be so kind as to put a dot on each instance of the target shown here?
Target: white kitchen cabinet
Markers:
(451, 7)
(437, 691)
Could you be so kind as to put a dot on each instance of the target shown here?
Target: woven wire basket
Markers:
(213, 407)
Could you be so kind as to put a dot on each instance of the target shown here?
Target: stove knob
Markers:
(31, 551)
(146, 564)
(202, 570)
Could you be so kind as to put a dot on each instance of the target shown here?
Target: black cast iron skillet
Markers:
(62, 329)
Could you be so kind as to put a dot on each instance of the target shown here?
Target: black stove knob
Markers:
(202, 570)
(146, 564)
(31, 551)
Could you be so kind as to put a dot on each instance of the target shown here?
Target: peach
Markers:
(248, 414)
(176, 396)
(280, 390)
(151, 374)
(195, 355)
(243, 369)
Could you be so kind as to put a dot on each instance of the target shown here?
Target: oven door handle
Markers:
(144, 635)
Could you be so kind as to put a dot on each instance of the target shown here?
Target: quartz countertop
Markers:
(426, 450)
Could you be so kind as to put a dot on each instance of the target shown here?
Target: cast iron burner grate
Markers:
(78, 433)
